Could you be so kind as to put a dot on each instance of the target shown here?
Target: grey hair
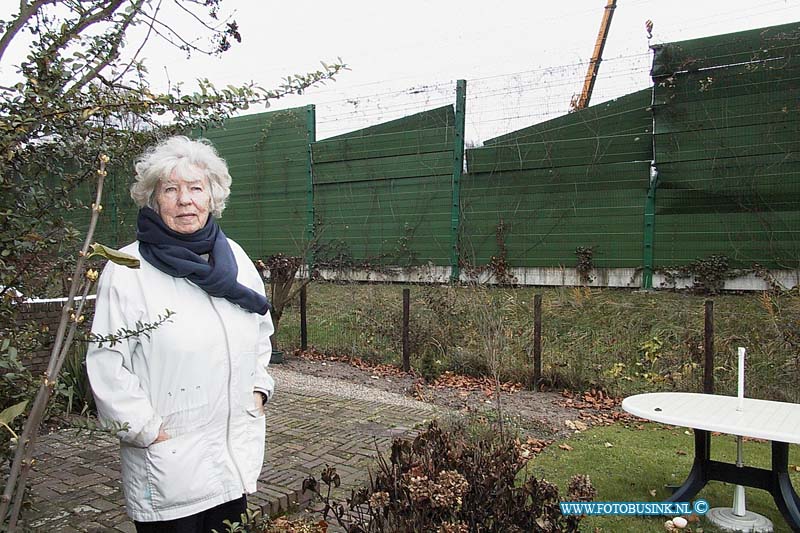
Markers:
(180, 152)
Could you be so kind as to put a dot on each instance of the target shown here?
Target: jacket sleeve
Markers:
(251, 278)
(117, 390)
(263, 381)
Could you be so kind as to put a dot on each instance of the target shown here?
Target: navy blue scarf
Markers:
(178, 255)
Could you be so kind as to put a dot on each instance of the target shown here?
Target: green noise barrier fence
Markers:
(576, 181)
(727, 141)
(705, 162)
(267, 155)
(382, 194)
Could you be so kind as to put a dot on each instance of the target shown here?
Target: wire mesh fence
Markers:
(624, 342)
(339, 321)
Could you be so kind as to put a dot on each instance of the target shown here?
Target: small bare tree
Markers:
(495, 340)
(281, 273)
(71, 316)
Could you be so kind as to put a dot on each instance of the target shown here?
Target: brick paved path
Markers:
(76, 483)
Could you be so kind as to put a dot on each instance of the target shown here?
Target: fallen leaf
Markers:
(687, 432)
(487, 385)
(580, 426)
(565, 447)
(608, 445)
(796, 468)
(680, 452)
(419, 392)
(652, 492)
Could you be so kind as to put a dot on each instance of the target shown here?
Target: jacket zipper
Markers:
(230, 372)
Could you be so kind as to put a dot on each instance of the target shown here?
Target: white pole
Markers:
(741, 378)
(739, 506)
(738, 492)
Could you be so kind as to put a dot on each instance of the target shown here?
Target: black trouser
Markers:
(202, 522)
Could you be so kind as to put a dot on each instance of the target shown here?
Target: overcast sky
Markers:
(523, 59)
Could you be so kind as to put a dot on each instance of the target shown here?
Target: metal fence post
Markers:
(708, 348)
(537, 340)
(406, 313)
(649, 229)
(311, 132)
(458, 168)
(303, 322)
(648, 235)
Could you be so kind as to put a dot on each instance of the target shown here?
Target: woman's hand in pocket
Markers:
(162, 436)
(258, 399)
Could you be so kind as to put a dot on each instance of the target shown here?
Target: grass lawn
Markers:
(642, 460)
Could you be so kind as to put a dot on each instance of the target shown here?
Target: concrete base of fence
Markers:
(556, 277)
(420, 274)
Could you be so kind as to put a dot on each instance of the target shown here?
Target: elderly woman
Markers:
(192, 391)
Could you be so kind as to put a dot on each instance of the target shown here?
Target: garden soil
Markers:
(540, 415)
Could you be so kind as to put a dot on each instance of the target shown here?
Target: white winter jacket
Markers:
(195, 374)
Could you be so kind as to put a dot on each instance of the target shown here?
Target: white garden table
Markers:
(778, 422)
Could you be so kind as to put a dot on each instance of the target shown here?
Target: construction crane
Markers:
(594, 65)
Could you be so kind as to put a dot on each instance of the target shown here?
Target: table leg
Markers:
(776, 481)
(698, 476)
(782, 491)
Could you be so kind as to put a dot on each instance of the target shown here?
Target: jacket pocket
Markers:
(252, 448)
(181, 470)
(185, 408)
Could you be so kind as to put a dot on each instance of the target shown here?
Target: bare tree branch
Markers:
(186, 44)
(112, 54)
(87, 19)
(26, 12)
(141, 47)
(198, 19)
